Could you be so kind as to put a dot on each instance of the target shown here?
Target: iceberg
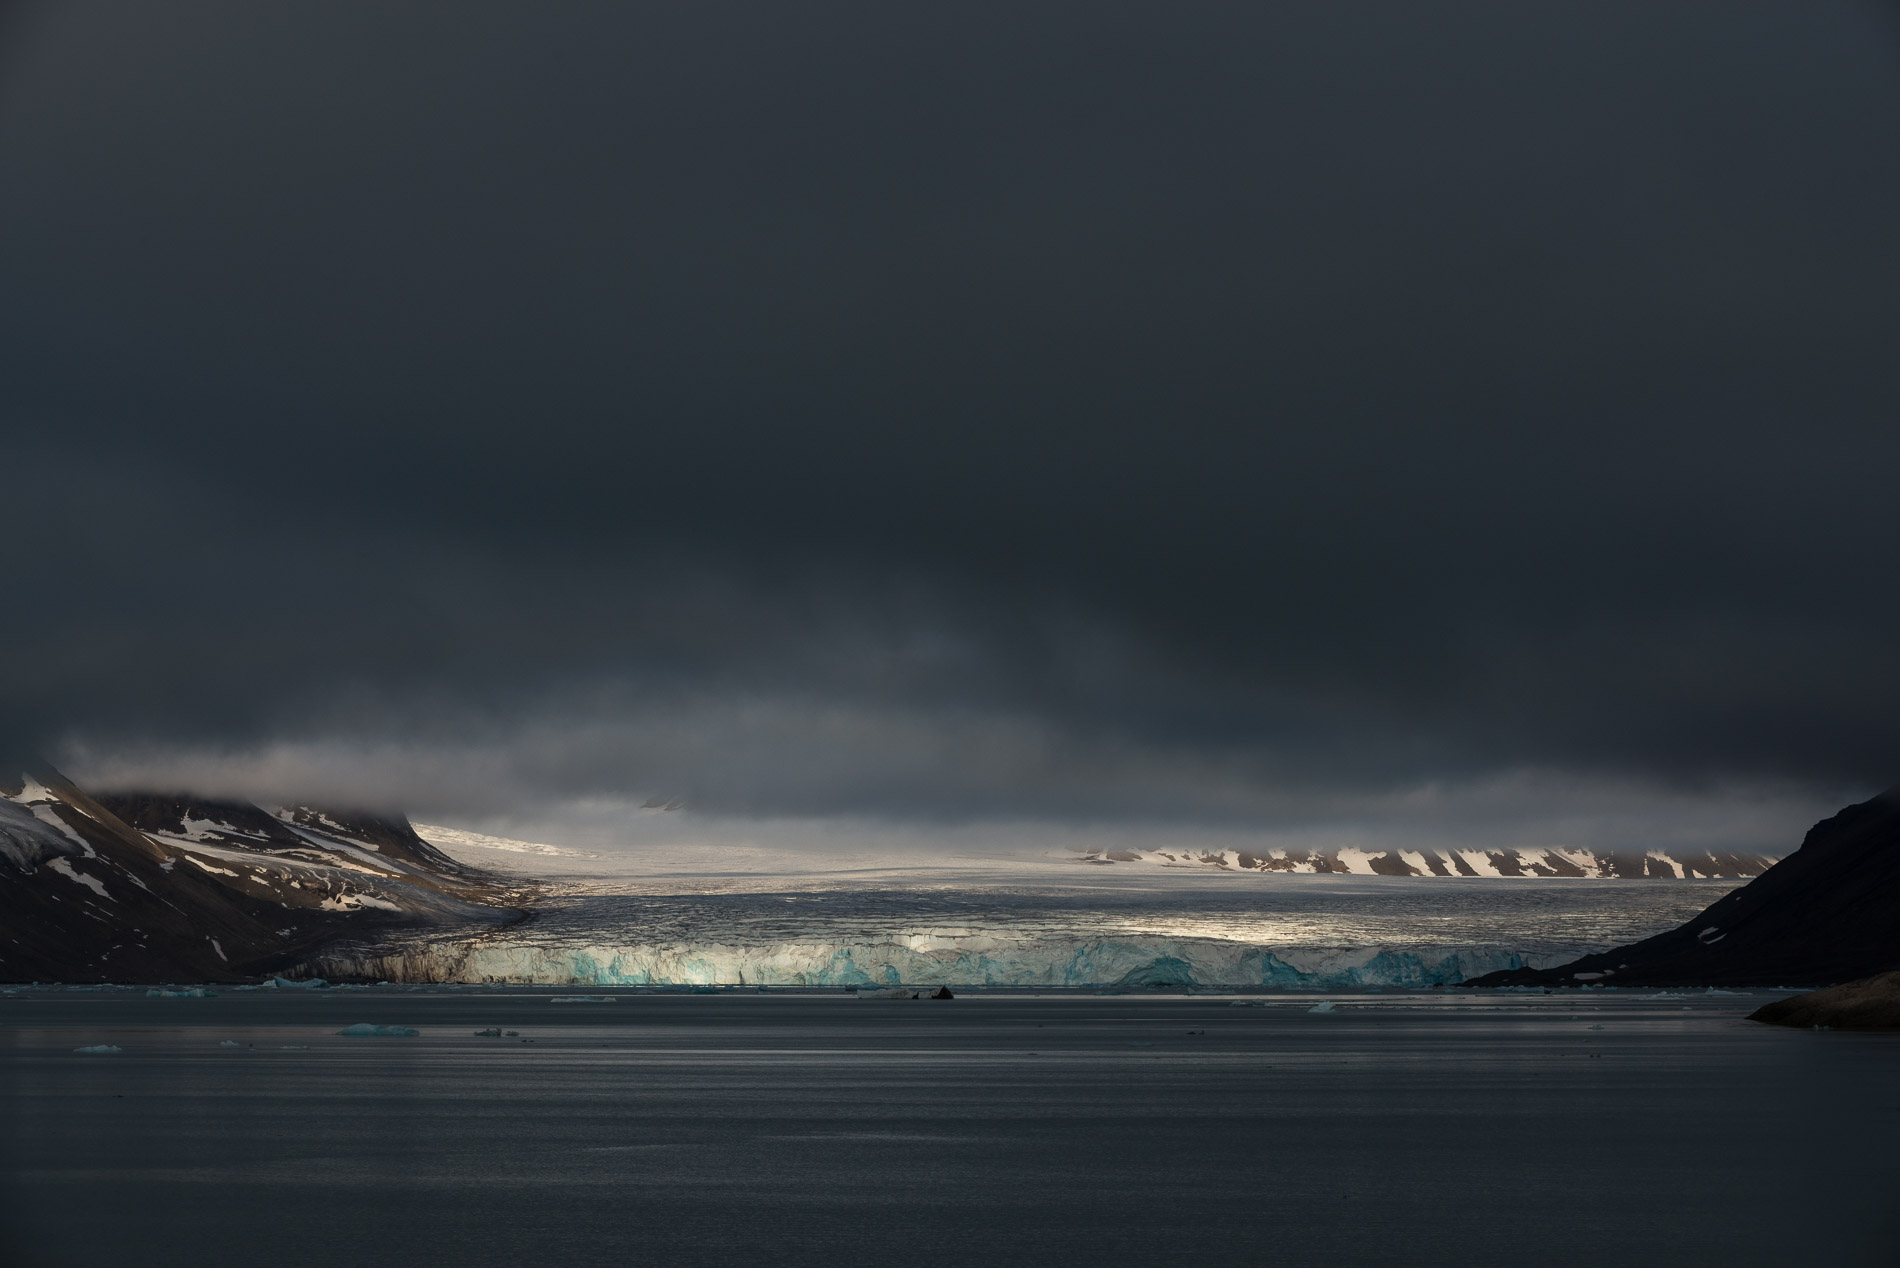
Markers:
(285, 984)
(195, 992)
(363, 1030)
(98, 1050)
(1324, 1006)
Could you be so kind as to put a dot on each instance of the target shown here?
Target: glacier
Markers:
(1125, 963)
(1108, 928)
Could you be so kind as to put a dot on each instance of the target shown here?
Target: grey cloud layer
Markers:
(1081, 411)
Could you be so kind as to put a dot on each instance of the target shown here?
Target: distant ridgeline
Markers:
(142, 887)
(1551, 862)
(1828, 913)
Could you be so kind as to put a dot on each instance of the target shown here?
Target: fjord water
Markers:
(1580, 1128)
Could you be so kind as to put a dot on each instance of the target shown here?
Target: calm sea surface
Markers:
(1584, 1128)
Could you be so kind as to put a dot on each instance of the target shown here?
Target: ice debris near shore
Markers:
(363, 1030)
(1324, 1006)
(98, 1050)
(195, 992)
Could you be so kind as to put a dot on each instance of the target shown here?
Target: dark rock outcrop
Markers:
(1828, 913)
(1870, 1004)
(142, 887)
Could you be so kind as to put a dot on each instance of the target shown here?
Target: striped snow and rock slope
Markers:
(1550, 863)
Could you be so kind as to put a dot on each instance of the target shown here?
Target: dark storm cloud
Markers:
(1049, 410)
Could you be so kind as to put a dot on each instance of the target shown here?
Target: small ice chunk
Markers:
(229, 1043)
(1598, 1026)
(492, 1032)
(363, 1030)
(193, 992)
(1324, 1006)
(581, 999)
(98, 1050)
(285, 984)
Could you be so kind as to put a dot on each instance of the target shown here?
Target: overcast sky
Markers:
(1134, 419)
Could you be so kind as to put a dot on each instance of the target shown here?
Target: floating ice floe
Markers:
(1324, 1006)
(195, 992)
(285, 984)
(229, 1043)
(492, 1032)
(363, 1030)
(581, 999)
(98, 1050)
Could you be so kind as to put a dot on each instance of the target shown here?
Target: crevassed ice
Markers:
(1103, 962)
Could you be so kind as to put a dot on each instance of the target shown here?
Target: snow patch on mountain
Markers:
(79, 878)
(1546, 862)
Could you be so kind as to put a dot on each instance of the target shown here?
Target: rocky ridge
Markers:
(141, 887)
(1548, 862)
(1870, 1004)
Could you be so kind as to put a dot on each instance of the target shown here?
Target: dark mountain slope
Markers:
(1829, 912)
(192, 890)
(351, 846)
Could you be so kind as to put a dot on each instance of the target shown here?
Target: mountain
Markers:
(1828, 913)
(147, 887)
(1548, 862)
